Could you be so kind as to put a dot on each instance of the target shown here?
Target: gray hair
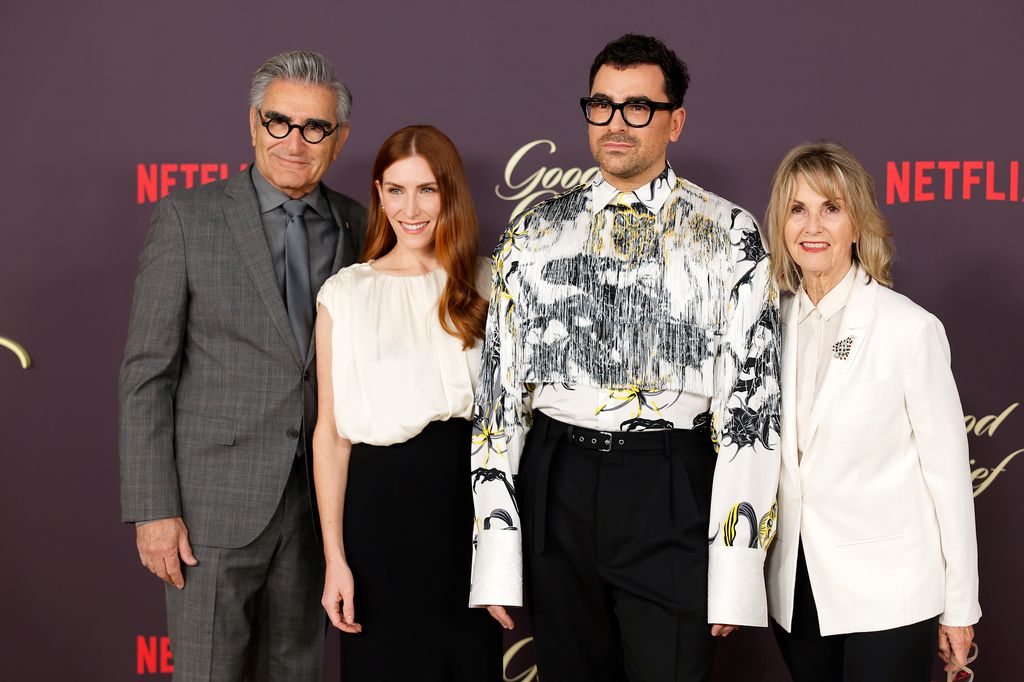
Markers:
(310, 68)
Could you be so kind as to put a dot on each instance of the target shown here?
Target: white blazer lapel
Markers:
(853, 330)
(789, 314)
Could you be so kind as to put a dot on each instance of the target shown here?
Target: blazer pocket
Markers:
(199, 429)
(869, 541)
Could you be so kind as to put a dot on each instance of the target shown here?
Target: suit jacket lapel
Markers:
(243, 219)
(790, 311)
(343, 247)
(856, 319)
(345, 244)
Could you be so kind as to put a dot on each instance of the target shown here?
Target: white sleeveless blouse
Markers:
(395, 369)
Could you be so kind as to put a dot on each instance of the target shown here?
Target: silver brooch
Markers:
(841, 349)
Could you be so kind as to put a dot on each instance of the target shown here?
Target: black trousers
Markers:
(903, 654)
(616, 557)
(408, 525)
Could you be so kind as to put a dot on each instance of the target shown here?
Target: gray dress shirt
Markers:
(321, 230)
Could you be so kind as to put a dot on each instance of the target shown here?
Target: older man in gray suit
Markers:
(218, 391)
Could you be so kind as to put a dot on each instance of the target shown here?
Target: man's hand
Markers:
(954, 646)
(160, 544)
(718, 630)
(499, 614)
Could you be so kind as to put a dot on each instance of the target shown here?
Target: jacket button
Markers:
(293, 433)
(305, 375)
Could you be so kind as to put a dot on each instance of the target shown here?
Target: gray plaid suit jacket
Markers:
(215, 400)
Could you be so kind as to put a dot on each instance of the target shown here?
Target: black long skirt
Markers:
(408, 534)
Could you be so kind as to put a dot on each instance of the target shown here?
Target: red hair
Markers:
(461, 310)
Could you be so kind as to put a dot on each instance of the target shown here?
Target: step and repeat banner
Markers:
(109, 105)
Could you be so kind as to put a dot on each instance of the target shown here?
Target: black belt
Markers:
(606, 441)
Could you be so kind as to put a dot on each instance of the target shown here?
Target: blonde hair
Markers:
(833, 172)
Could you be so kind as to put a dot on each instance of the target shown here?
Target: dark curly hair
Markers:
(632, 49)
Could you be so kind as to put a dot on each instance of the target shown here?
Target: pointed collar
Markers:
(271, 197)
(831, 303)
(651, 195)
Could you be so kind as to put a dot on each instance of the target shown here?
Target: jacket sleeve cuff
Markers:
(736, 594)
(497, 569)
(966, 612)
(960, 622)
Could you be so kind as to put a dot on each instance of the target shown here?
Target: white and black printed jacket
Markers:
(694, 310)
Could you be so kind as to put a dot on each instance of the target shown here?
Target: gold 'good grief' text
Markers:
(983, 477)
(18, 350)
(542, 182)
(527, 675)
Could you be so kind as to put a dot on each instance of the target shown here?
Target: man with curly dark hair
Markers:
(630, 386)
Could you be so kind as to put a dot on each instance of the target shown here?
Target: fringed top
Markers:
(667, 288)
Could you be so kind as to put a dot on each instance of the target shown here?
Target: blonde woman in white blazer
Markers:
(875, 561)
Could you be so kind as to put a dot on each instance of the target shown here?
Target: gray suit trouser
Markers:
(254, 612)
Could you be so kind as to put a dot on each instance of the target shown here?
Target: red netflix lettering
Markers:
(153, 655)
(990, 177)
(166, 180)
(208, 172)
(145, 655)
(166, 658)
(917, 181)
(947, 168)
(189, 169)
(897, 182)
(154, 181)
(969, 178)
(921, 181)
(146, 183)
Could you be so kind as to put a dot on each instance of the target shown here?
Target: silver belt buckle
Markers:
(607, 445)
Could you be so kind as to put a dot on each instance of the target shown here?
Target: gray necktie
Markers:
(298, 295)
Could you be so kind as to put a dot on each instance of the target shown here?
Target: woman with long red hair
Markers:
(398, 353)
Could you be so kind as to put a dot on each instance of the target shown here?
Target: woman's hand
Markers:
(499, 614)
(719, 630)
(954, 645)
(337, 600)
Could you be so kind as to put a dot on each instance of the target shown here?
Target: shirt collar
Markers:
(271, 197)
(831, 303)
(651, 195)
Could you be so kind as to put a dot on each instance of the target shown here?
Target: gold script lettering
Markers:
(986, 426)
(18, 350)
(528, 675)
(982, 478)
(540, 183)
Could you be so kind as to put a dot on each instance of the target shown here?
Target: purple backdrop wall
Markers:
(110, 102)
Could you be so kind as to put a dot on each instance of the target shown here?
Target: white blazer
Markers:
(882, 496)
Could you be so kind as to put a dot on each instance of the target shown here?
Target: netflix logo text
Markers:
(155, 180)
(153, 655)
(918, 181)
